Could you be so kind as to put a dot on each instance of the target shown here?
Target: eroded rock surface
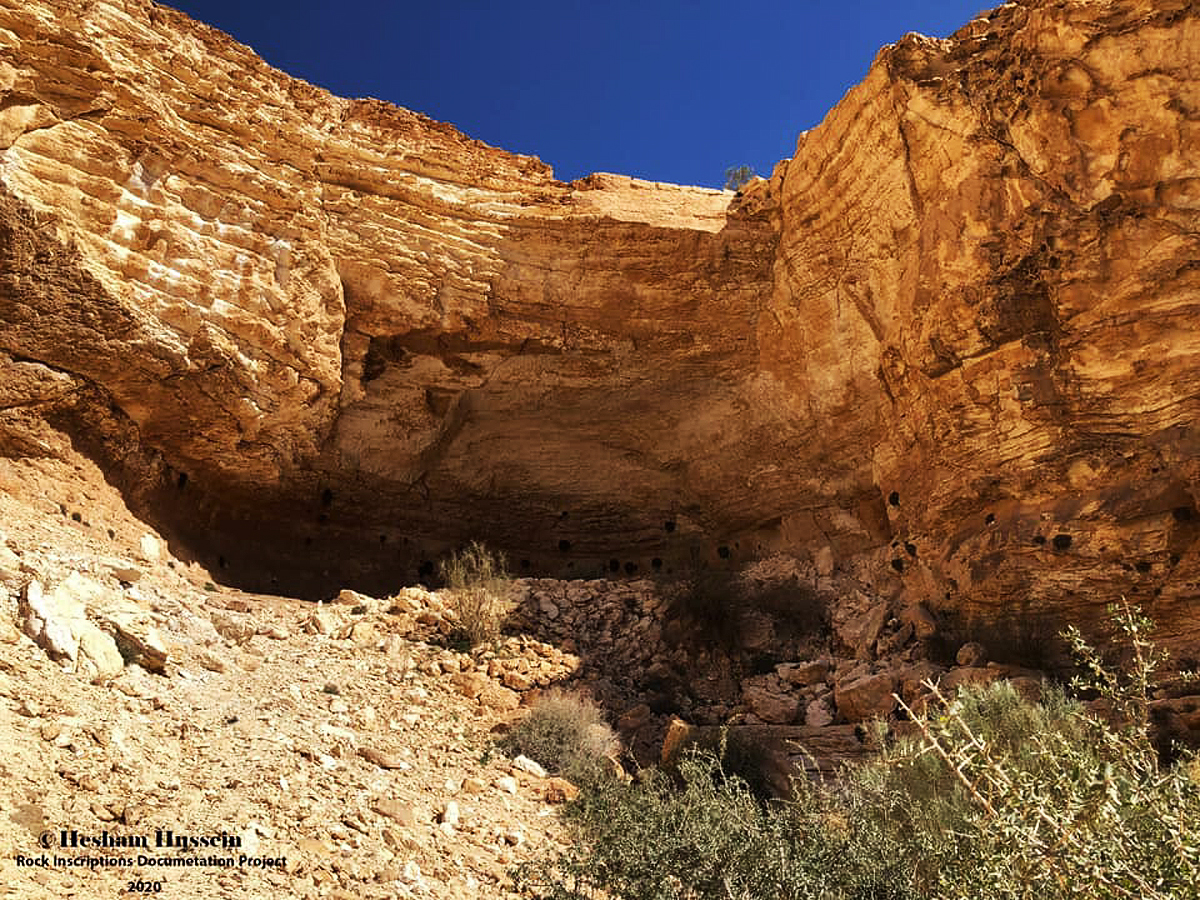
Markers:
(947, 350)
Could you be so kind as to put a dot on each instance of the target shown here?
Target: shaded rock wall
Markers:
(948, 348)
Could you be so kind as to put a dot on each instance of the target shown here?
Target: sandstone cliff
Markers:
(948, 350)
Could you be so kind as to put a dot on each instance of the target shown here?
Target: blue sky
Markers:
(670, 91)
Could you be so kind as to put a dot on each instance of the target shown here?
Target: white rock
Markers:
(150, 547)
(99, 659)
(58, 622)
(412, 874)
(525, 764)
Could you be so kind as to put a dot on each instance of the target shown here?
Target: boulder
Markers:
(58, 621)
(971, 654)
(818, 714)
(865, 697)
(771, 700)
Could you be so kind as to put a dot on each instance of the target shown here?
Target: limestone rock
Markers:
(859, 632)
(803, 674)
(865, 697)
(818, 714)
(150, 547)
(770, 700)
(139, 642)
(383, 758)
(59, 622)
(528, 766)
(922, 620)
(11, 576)
(971, 654)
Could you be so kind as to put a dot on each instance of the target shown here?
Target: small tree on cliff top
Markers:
(737, 176)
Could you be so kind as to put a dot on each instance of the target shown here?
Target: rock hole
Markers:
(425, 569)
(656, 564)
(382, 539)
(912, 549)
(222, 562)
(1182, 513)
(1039, 539)
(898, 564)
(894, 498)
(181, 480)
(1175, 557)
(525, 564)
(630, 568)
(111, 534)
(614, 565)
(76, 517)
(564, 545)
(326, 497)
(669, 526)
(1062, 541)
(723, 552)
(1142, 565)
(564, 515)
(989, 519)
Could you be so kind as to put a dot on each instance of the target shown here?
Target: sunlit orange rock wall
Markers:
(953, 339)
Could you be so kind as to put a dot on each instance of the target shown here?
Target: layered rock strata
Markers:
(947, 350)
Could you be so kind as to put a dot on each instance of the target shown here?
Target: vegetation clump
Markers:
(736, 177)
(567, 734)
(479, 592)
(994, 797)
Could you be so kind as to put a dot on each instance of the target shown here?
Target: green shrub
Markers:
(996, 798)
(737, 176)
(567, 734)
(1055, 802)
(713, 838)
(479, 592)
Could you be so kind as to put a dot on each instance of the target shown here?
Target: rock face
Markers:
(948, 348)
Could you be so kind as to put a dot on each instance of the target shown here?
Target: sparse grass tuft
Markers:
(479, 591)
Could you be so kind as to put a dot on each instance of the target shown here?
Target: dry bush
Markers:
(479, 591)
(566, 733)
